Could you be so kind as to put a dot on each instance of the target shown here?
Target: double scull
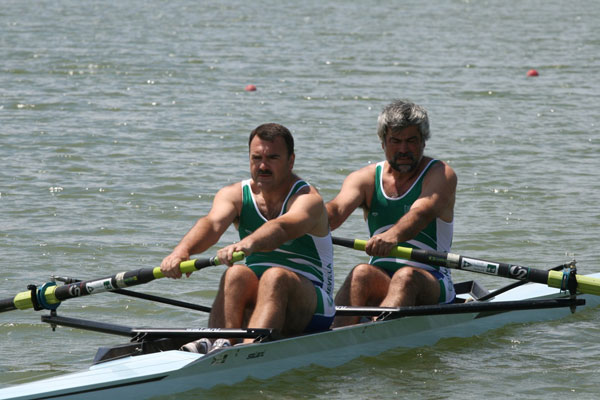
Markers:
(151, 364)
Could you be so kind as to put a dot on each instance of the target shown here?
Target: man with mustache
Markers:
(408, 200)
(287, 280)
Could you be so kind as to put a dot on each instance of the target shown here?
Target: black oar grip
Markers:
(343, 242)
(7, 305)
(205, 262)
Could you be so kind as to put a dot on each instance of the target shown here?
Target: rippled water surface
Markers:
(120, 119)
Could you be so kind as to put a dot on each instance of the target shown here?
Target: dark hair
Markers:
(270, 131)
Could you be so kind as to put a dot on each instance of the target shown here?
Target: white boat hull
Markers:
(175, 371)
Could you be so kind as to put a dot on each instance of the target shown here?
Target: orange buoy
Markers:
(250, 88)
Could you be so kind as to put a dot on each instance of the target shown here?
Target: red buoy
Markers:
(250, 88)
(532, 72)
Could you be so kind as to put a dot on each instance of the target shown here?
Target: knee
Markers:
(362, 273)
(238, 274)
(406, 276)
(276, 277)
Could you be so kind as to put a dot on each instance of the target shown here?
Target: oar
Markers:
(49, 295)
(143, 296)
(513, 285)
(555, 279)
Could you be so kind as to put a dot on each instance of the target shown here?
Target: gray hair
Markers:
(401, 114)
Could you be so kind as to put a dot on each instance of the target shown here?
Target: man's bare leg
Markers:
(286, 301)
(366, 285)
(235, 299)
(411, 287)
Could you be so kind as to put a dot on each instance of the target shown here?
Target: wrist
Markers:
(184, 254)
(393, 235)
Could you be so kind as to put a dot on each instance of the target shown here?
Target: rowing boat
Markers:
(172, 371)
(151, 364)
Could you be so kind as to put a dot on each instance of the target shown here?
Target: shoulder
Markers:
(362, 176)
(234, 187)
(444, 168)
(231, 192)
(227, 203)
(367, 169)
(441, 172)
(357, 190)
(306, 189)
(306, 198)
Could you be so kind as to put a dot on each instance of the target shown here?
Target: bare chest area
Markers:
(269, 210)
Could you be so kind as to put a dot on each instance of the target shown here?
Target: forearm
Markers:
(268, 237)
(356, 189)
(407, 227)
(198, 239)
(336, 218)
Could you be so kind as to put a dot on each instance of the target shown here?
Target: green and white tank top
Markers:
(385, 211)
(310, 256)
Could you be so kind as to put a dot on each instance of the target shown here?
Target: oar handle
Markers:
(7, 304)
(358, 244)
(197, 264)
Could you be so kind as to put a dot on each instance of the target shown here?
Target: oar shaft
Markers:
(53, 295)
(456, 261)
(553, 279)
(144, 296)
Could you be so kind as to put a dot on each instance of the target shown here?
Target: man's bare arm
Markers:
(305, 214)
(436, 201)
(354, 193)
(207, 230)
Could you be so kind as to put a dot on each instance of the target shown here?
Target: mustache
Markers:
(408, 155)
(264, 172)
